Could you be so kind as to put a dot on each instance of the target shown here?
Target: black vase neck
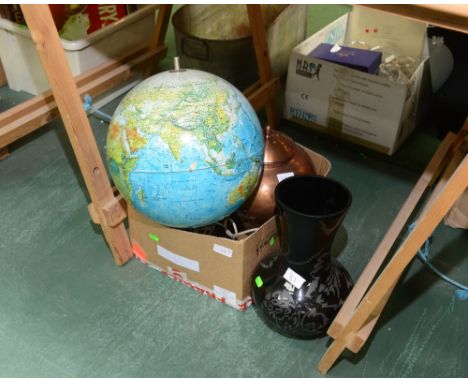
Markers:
(311, 209)
(306, 242)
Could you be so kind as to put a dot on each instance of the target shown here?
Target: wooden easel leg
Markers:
(257, 28)
(162, 23)
(428, 221)
(434, 168)
(64, 89)
(159, 34)
(373, 266)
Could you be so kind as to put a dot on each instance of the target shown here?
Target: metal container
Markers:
(216, 39)
(282, 158)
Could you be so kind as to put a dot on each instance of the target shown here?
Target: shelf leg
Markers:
(64, 89)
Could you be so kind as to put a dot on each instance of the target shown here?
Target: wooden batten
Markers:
(257, 28)
(28, 116)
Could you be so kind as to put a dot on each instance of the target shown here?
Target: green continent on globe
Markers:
(201, 110)
(122, 163)
(141, 196)
(244, 188)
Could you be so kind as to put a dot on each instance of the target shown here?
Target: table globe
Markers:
(185, 148)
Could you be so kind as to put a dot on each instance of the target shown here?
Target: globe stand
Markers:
(107, 207)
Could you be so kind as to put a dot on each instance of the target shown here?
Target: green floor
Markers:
(67, 310)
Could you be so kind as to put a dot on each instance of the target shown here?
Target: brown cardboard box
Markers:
(218, 267)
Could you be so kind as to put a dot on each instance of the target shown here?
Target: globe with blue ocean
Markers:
(185, 148)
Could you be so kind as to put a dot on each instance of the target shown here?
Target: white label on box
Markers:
(222, 250)
(179, 260)
(335, 48)
(284, 175)
(229, 297)
(295, 279)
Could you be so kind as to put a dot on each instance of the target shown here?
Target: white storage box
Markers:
(359, 107)
(21, 62)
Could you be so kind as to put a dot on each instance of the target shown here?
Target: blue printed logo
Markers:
(301, 114)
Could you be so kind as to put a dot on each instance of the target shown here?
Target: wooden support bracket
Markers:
(112, 213)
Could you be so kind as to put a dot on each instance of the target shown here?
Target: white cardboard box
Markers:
(24, 70)
(359, 107)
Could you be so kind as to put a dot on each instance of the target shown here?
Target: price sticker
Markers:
(293, 278)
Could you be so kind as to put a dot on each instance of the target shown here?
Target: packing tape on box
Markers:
(228, 296)
(225, 251)
(178, 259)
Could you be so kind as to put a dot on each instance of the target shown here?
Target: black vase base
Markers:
(295, 335)
(303, 312)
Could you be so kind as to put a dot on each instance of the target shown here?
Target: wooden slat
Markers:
(28, 116)
(451, 16)
(249, 90)
(264, 94)
(46, 97)
(159, 33)
(257, 28)
(65, 91)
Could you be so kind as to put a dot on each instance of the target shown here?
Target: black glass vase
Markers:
(299, 290)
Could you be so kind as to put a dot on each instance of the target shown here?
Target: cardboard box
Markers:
(359, 107)
(218, 267)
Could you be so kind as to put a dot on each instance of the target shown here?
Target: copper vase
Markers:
(283, 158)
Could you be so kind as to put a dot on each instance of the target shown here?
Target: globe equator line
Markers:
(182, 171)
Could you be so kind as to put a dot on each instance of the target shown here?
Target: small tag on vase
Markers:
(282, 176)
(295, 279)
